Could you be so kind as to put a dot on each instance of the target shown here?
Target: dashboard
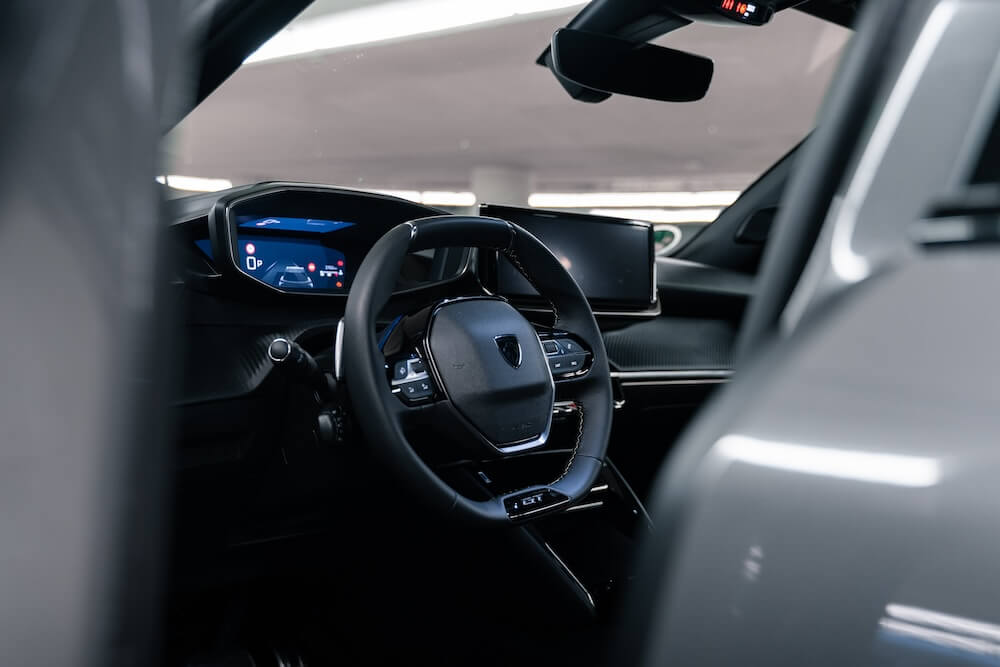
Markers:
(240, 416)
(306, 242)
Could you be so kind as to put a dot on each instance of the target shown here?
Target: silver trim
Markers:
(411, 376)
(653, 311)
(586, 506)
(531, 444)
(654, 294)
(672, 376)
(600, 487)
(564, 407)
(572, 576)
(338, 351)
(544, 436)
(272, 357)
(670, 383)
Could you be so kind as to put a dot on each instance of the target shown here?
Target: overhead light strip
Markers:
(433, 197)
(710, 198)
(656, 215)
(395, 20)
(195, 183)
(677, 207)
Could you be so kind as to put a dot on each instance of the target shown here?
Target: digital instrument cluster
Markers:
(294, 254)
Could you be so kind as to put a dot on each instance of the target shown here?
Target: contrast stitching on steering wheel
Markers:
(512, 256)
(576, 448)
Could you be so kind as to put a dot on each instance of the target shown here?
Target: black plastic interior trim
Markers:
(684, 275)
(674, 344)
(228, 31)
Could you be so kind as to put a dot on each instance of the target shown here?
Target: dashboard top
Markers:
(303, 243)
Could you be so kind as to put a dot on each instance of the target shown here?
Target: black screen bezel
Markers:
(378, 213)
(489, 262)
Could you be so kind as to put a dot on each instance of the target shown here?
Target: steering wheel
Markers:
(477, 366)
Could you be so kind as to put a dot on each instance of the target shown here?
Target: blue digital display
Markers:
(291, 262)
(205, 245)
(296, 224)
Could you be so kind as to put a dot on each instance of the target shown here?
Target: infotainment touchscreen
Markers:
(611, 260)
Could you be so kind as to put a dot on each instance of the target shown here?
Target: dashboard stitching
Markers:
(512, 256)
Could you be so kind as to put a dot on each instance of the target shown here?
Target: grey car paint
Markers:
(837, 503)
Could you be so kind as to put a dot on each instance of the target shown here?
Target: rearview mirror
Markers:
(612, 65)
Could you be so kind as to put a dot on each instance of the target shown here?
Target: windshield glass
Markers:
(440, 101)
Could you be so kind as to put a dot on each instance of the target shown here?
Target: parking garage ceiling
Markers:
(422, 113)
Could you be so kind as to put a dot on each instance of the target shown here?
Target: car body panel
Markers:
(858, 479)
(834, 505)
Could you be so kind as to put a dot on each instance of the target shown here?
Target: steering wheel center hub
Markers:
(492, 367)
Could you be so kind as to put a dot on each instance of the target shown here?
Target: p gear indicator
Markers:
(295, 254)
(752, 13)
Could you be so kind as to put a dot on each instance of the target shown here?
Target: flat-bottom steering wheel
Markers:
(479, 365)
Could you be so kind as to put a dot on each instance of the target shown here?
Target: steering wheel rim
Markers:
(383, 416)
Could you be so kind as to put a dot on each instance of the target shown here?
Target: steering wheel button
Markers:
(551, 347)
(417, 366)
(417, 389)
(569, 346)
(399, 371)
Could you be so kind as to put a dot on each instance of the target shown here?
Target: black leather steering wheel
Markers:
(481, 367)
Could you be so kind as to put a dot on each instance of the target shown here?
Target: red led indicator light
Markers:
(736, 7)
(340, 284)
(340, 262)
(311, 266)
(251, 248)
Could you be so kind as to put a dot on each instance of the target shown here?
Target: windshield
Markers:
(440, 101)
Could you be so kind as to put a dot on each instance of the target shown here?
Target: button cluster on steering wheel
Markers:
(410, 379)
(566, 357)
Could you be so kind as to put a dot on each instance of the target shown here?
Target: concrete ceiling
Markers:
(422, 113)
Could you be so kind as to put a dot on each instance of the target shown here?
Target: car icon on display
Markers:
(294, 276)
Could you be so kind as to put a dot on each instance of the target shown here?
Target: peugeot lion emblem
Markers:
(510, 349)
